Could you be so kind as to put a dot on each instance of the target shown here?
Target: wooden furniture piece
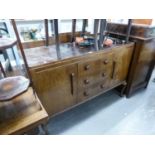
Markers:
(6, 43)
(65, 75)
(46, 32)
(13, 86)
(21, 114)
(18, 106)
(79, 75)
(142, 21)
(143, 59)
(5, 32)
(2, 70)
(20, 109)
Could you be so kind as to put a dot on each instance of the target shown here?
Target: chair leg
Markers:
(7, 57)
(2, 69)
(13, 53)
(44, 128)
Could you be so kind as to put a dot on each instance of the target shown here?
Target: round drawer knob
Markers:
(102, 86)
(105, 61)
(103, 74)
(85, 93)
(87, 67)
(86, 81)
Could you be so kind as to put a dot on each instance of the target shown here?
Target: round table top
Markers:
(7, 43)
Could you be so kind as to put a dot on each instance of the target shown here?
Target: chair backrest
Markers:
(2, 72)
(3, 30)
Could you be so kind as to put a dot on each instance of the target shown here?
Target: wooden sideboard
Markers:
(79, 75)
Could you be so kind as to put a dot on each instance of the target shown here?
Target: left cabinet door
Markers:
(56, 87)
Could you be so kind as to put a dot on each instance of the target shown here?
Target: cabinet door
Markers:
(57, 87)
(121, 61)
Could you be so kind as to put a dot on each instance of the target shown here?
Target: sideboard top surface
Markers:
(44, 55)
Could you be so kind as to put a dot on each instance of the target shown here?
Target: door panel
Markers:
(57, 87)
(121, 61)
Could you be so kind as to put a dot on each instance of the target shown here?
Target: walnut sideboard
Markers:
(77, 74)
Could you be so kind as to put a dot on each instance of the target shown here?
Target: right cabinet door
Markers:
(120, 65)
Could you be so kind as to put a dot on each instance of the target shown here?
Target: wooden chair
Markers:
(20, 108)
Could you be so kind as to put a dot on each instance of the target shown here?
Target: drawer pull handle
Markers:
(85, 93)
(105, 61)
(87, 67)
(102, 86)
(72, 83)
(86, 81)
(113, 70)
(103, 74)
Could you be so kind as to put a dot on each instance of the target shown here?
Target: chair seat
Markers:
(13, 86)
(21, 114)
